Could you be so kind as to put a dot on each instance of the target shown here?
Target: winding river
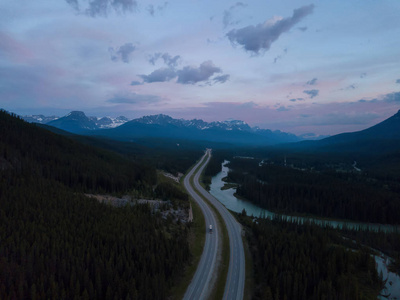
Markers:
(227, 198)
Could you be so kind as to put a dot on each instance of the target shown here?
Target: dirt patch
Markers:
(164, 207)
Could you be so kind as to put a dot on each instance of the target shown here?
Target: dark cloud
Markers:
(276, 58)
(192, 75)
(239, 4)
(159, 75)
(153, 58)
(136, 83)
(261, 36)
(153, 9)
(122, 53)
(296, 99)
(221, 78)
(398, 81)
(312, 81)
(135, 99)
(74, 4)
(227, 18)
(123, 5)
(282, 108)
(388, 98)
(348, 88)
(103, 7)
(392, 97)
(249, 104)
(171, 61)
(311, 93)
(280, 56)
(187, 75)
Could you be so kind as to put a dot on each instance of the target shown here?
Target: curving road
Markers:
(234, 287)
(199, 288)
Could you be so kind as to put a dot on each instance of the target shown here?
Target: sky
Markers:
(324, 66)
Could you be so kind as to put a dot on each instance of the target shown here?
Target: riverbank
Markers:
(228, 198)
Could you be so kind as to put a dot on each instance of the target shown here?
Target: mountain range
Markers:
(163, 126)
(385, 135)
(77, 121)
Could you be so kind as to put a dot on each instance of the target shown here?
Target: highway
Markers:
(199, 287)
(234, 287)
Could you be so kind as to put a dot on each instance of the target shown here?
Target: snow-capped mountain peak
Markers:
(109, 122)
(88, 123)
(39, 118)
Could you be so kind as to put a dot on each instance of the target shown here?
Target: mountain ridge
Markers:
(230, 131)
(164, 126)
(77, 116)
(382, 137)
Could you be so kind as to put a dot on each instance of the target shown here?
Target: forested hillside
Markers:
(327, 191)
(28, 150)
(173, 156)
(57, 244)
(293, 261)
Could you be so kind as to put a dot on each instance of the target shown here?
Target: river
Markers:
(227, 198)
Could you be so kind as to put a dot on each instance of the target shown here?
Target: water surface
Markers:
(227, 198)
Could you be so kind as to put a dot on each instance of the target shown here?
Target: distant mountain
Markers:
(163, 126)
(312, 136)
(107, 122)
(387, 129)
(165, 120)
(41, 119)
(77, 121)
(381, 137)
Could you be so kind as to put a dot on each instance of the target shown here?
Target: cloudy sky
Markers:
(323, 66)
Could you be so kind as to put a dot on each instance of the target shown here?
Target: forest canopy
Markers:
(56, 243)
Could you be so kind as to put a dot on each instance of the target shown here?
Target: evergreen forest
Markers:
(332, 190)
(293, 261)
(55, 243)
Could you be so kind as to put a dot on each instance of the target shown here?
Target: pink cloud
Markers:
(323, 119)
(13, 49)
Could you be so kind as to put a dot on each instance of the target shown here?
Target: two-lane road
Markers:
(234, 287)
